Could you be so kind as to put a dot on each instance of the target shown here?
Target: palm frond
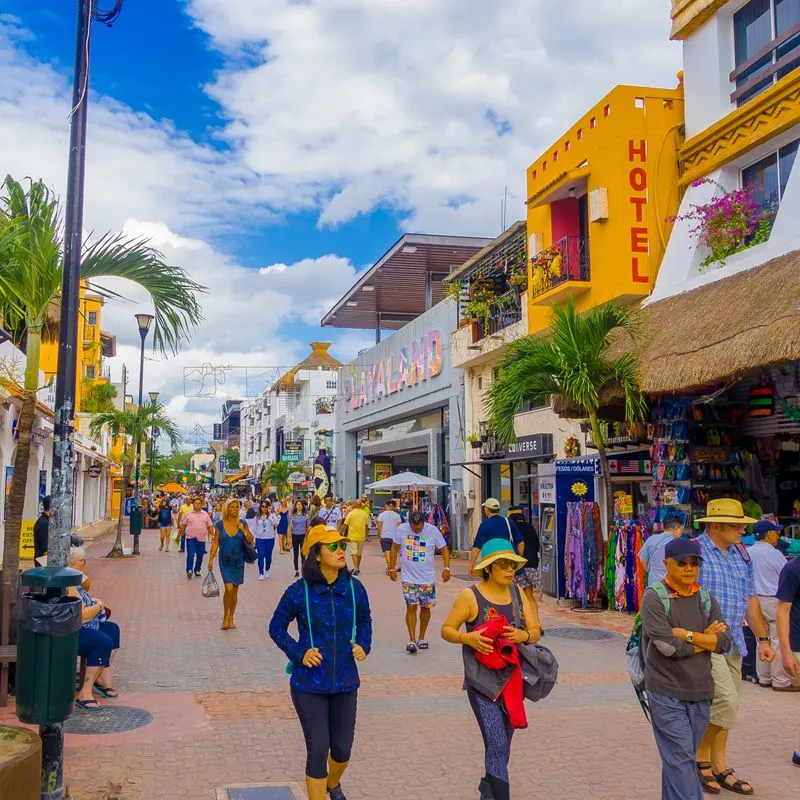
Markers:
(136, 423)
(174, 294)
(573, 361)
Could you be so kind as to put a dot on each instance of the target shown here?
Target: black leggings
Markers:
(496, 732)
(329, 726)
(297, 543)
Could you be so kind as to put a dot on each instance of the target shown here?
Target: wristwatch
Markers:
(763, 638)
(690, 637)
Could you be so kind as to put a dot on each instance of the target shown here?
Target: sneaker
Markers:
(791, 688)
(197, 574)
(796, 758)
(337, 793)
(261, 576)
(411, 648)
(266, 574)
(188, 576)
(764, 685)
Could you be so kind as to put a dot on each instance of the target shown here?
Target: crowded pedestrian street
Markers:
(222, 717)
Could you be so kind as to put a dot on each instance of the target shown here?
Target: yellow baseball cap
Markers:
(321, 534)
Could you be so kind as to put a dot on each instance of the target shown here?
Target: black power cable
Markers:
(108, 17)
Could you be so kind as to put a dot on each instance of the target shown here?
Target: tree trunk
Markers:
(116, 550)
(599, 440)
(19, 480)
(19, 487)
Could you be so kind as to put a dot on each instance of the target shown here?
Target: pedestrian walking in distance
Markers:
(196, 528)
(229, 535)
(388, 523)
(416, 542)
(682, 626)
(165, 525)
(495, 526)
(768, 563)
(727, 572)
(334, 625)
(788, 625)
(652, 552)
(489, 599)
(263, 526)
(355, 527)
(298, 525)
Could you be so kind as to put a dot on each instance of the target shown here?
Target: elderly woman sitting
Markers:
(97, 640)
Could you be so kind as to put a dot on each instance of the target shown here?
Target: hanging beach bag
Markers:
(538, 664)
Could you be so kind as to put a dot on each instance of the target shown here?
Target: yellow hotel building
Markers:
(598, 202)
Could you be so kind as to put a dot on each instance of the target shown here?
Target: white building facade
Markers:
(742, 92)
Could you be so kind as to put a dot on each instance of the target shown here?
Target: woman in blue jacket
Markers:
(335, 631)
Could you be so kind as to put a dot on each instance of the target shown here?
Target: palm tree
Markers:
(574, 362)
(133, 425)
(278, 473)
(31, 266)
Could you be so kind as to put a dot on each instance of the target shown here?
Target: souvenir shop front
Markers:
(576, 549)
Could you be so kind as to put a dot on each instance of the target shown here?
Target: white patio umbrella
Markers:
(405, 480)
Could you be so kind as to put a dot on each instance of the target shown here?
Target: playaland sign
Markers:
(419, 362)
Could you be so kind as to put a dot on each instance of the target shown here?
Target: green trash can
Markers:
(47, 645)
(136, 521)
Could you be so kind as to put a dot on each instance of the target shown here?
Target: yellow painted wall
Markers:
(626, 144)
(89, 347)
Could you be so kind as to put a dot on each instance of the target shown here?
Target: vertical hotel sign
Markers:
(408, 367)
(640, 236)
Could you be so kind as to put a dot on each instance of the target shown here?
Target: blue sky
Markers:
(274, 147)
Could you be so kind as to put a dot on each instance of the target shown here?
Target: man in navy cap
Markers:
(682, 625)
(768, 561)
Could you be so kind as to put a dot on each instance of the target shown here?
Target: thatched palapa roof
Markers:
(723, 330)
(712, 335)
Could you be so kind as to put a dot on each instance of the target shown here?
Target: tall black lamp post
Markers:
(144, 321)
(153, 399)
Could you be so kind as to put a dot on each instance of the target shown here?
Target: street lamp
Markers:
(153, 399)
(144, 321)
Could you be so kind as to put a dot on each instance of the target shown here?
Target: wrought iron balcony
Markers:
(565, 260)
(504, 311)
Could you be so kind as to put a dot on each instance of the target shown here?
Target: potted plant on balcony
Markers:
(475, 441)
(518, 279)
(479, 306)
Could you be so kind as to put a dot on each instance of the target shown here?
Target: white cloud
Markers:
(362, 103)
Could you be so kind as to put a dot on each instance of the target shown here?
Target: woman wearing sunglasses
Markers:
(334, 625)
(480, 604)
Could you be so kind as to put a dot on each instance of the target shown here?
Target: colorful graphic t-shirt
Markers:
(417, 551)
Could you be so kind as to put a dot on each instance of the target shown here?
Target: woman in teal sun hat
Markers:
(492, 597)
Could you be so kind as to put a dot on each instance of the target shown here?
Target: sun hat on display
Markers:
(494, 550)
(727, 511)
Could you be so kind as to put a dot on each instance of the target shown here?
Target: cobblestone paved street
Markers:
(221, 711)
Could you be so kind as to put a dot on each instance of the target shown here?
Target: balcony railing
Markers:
(771, 63)
(504, 311)
(565, 260)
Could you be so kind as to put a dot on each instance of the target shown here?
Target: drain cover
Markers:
(109, 719)
(579, 633)
(271, 791)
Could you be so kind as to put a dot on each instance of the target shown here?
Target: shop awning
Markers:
(237, 477)
(723, 330)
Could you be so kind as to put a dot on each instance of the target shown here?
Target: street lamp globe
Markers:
(153, 396)
(144, 321)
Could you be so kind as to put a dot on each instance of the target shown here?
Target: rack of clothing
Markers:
(584, 549)
(624, 574)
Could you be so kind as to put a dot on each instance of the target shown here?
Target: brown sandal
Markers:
(707, 780)
(736, 786)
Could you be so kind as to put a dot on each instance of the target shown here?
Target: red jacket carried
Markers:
(504, 652)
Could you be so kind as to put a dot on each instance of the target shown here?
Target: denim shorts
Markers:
(386, 544)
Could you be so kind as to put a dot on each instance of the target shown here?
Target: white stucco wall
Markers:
(680, 269)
